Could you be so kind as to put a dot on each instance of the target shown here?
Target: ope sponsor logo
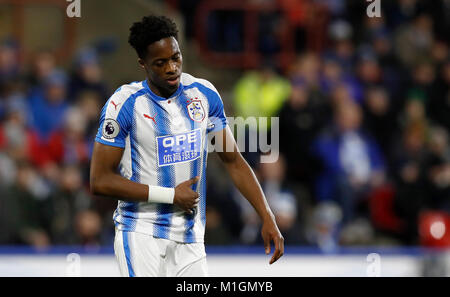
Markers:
(177, 140)
(179, 148)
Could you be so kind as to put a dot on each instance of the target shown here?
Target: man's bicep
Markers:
(105, 158)
(226, 146)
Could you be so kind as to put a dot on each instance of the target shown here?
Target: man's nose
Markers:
(171, 67)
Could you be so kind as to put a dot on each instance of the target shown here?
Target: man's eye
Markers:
(159, 64)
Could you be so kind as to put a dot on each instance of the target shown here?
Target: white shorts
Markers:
(144, 255)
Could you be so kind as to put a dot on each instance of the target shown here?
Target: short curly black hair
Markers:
(150, 29)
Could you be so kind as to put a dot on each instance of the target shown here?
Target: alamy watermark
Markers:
(74, 9)
(73, 268)
(374, 267)
(252, 134)
(374, 9)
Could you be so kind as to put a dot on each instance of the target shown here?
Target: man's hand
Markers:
(185, 197)
(270, 232)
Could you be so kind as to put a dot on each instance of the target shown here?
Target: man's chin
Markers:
(172, 87)
(168, 89)
(165, 88)
(174, 83)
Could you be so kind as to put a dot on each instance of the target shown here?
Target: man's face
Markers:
(163, 65)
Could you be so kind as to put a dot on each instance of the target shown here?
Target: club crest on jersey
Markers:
(110, 129)
(196, 111)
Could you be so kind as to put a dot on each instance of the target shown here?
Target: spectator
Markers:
(307, 70)
(331, 74)
(216, 233)
(325, 226)
(48, 107)
(413, 41)
(27, 209)
(368, 69)
(379, 117)
(9, 61)
(409, 173)
(257, 95)
(18, 142)
(423, 79)
(352, 163)
(438, 107)
(90, 106)
(301, 118)
(69, 145)
(88, 228)
(393, 76)
(260, 93)
(414, 111)
(87, 76)
(69, 199)
(342, 49)
(437, 169)
(42, 66)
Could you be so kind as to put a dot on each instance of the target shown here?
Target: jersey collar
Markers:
(154, 96)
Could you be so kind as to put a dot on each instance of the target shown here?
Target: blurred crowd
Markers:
(364, 148)
(364, 128)
(48, 120)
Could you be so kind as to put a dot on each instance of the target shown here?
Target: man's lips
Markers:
(173, 80)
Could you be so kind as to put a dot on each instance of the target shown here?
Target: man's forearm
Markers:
(119, 187)
(247, 183)
(245, 180)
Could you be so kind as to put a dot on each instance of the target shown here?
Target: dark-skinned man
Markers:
(151, 153)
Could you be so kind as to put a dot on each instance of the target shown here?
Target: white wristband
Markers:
(160, 194)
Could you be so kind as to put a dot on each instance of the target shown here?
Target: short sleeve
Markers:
(115, 121)
(216, 116)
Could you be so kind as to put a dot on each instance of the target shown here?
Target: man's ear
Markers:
(142, 63)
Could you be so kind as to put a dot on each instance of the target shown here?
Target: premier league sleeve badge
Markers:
(110, 129)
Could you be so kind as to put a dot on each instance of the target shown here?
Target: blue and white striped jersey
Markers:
(165, 143)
